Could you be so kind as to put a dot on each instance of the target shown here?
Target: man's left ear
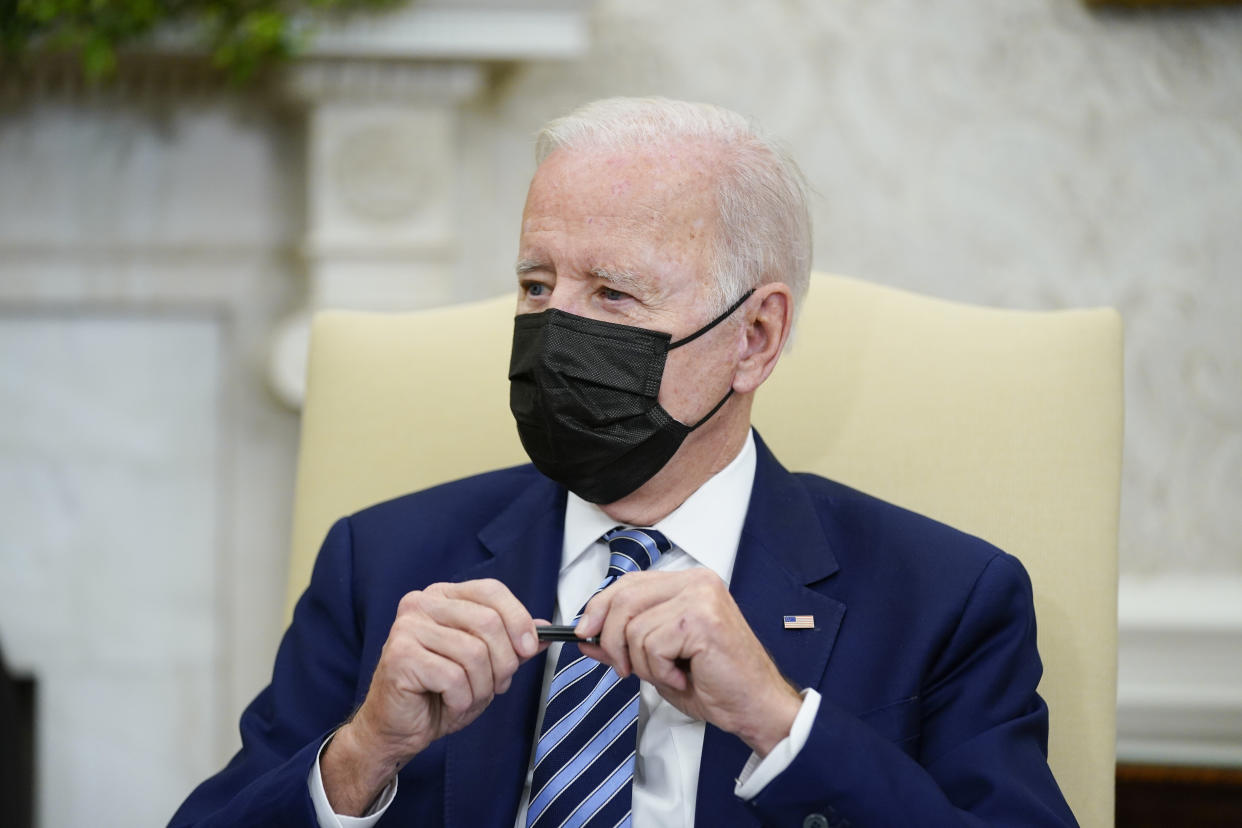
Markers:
(769, 317)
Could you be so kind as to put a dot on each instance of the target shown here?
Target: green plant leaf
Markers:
(98, 57)
(242, 36)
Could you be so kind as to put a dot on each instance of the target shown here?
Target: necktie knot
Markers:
(632, 550)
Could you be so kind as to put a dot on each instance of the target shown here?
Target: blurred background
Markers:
(164, 233)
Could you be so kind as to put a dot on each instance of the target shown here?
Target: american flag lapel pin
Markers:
(799, 622)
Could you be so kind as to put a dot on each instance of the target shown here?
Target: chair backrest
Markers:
(1004, 423)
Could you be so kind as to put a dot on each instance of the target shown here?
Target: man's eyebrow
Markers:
(627, 280)
(527, 265)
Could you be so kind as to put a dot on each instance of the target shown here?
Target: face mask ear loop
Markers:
(711, 325)
(719, 405)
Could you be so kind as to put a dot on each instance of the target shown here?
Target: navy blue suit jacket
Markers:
(923, 650)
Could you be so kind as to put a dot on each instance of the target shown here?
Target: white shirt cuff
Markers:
(323, 809)
(757, 773)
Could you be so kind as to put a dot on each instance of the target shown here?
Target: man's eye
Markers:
(613, 295)
(535, 288)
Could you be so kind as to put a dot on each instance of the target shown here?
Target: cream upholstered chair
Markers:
(1004, 423)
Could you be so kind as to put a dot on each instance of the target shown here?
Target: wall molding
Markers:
(1179, 683)
(471, 29)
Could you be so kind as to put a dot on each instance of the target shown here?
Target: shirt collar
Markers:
(707, 526)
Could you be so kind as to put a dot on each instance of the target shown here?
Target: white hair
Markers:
(764, 231)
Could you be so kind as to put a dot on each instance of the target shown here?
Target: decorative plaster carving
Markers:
(473, 30)
(379, 175)
(361, 80)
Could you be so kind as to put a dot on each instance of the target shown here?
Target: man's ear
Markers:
(769, 317)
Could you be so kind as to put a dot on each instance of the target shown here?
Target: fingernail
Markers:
(584, 621)
(528, 643)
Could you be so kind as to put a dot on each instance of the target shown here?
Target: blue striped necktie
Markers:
(584, 761)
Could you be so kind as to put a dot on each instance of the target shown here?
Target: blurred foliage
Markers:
(242, 36)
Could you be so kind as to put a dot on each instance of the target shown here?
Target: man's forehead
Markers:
(677, 162)
(624, 192)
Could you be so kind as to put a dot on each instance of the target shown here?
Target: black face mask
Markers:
(584, 394)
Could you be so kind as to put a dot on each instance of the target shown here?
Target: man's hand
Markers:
(451, 649)
(682, 632)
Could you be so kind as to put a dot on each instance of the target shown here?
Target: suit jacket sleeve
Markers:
(981, 733)
(312, 690)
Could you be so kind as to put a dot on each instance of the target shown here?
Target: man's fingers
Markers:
(470, 653)
(668, 654)
(657, 639)
(451, 649)
(487, 610)
(543, 645)
(609, 613)
(483, 622)
(637, 589)
(444, 676)
(519, 626)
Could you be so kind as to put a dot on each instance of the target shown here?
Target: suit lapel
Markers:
(486, 761)
(782, 550)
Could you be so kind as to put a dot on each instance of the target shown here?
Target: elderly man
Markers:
(664, 248)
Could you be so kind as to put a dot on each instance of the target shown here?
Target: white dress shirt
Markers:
(704, 531)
